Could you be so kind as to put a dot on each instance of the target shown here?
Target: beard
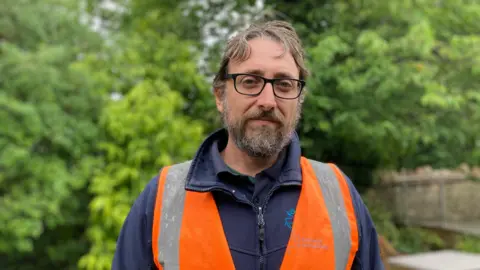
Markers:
(260, 141)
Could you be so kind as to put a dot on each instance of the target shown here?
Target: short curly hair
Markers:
(237, 48)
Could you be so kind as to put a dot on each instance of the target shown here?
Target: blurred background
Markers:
(96, 96)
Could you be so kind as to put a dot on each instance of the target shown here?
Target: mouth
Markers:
(264, 121)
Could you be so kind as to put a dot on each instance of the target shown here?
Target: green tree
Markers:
(395, 83)
(145, 124)
(48, 114)
(205, 24)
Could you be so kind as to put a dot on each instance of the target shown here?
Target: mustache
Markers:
(266, 116)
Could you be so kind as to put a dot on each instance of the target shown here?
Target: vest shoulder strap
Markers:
(340, 207)
(168, 212)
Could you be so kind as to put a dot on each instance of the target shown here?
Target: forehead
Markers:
(268, 57)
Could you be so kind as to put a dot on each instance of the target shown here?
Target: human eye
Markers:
(285, 85)
(249, 81)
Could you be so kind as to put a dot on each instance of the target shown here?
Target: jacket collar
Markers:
(208, 164)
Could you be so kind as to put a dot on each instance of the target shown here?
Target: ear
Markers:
(219, 96)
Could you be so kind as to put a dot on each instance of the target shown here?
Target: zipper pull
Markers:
(261, 224)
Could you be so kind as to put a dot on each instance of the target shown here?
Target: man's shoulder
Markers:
(314, 161)
(184, 165)
(321, 165)
(152, 186)
(325, 166)
(311, 160)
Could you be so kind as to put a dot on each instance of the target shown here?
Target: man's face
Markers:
(261, 125)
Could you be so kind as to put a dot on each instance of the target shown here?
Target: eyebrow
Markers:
(276, 74)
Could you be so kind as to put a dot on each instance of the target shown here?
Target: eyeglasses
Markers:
(253, 85)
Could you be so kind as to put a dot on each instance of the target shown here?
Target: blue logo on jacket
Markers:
(300, 241)
(289, 218)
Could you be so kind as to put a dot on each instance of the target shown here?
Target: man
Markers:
(248, 199)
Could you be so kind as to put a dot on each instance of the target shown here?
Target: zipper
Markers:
(261, 237)
(261, 227)
(261, 223)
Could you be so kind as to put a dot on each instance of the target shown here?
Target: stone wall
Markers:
(428, 195)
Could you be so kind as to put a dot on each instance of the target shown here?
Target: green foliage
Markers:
(145, 124)
(48, 111)
(392, 86)
(468, 243)
(414, 240)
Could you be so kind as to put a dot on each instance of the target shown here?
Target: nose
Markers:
(267, 99)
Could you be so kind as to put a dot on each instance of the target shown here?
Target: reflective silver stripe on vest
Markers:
(173, 205)
(333, 197)
(172, 213)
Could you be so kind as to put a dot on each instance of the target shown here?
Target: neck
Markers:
(242, 162)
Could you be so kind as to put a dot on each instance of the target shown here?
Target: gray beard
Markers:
(262, 142)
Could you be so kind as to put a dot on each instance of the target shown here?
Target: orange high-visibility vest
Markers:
(188, 232)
